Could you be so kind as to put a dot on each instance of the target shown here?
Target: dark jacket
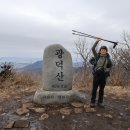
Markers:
(101, 61)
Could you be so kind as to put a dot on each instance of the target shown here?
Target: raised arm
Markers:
(94, 48)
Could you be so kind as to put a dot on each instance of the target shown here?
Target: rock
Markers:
(99, 115)
(28, 105)
(22, 111)
(78, 110)
(57, 78)
(57, 69)
(75, 121)
(86, 106)
(111, 112)
(21, 124)
(44, 116)
(81, 96)
(65, 111)
(108, 116)
(9, 125)
(121, 114)
(63, 117)
(77, 104)
(38, 110)
(27, 115)
(3, 114)
(90, 110)
(54, 97)
(105, 96)
(119, 117)
(127, 108)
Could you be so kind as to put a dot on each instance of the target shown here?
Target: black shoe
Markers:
(92, 105)
(101, 105)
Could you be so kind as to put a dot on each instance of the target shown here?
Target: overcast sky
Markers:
(28, 26)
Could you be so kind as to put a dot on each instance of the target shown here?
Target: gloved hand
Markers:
(92, 61)
(99, 39)
(107, 74)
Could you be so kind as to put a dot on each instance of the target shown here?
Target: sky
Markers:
(28, 26)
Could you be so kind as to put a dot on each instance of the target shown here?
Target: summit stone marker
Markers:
(57, 77)
(57, 69)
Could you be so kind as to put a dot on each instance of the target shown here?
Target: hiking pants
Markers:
(99, 80)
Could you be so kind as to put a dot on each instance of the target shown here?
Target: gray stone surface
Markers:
(54, 97)
(58, 97)
(57, 78)
(57, 69)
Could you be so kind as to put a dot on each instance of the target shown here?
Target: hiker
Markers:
(102, 66)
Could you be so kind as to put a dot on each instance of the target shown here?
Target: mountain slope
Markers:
(37, 67)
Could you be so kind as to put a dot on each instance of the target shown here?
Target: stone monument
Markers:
(57, 77)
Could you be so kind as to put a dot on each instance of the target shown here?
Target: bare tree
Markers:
(126, 39)
(117, 74)
(83, 51)
(121, 62)
(120, 59)
(125, 53)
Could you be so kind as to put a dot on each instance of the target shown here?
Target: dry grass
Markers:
(27, 79)
(81, 81)
(118, 91)
(26, 83)
(86, 85)
(23, 83)
(119, 78)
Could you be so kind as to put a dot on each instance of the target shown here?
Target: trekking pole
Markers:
(90, 36)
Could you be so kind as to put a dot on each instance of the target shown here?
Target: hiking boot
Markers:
(101, 105)
(92, 105)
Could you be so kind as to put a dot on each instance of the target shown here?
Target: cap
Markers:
(103, 47)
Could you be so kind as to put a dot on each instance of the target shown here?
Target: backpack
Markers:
(93, 61)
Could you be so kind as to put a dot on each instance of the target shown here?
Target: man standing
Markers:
(101, 70)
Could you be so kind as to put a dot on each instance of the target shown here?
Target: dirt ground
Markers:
(115, 115)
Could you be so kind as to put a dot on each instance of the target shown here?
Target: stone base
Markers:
(58, 97)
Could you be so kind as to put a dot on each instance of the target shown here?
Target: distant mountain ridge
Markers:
(37, 67)
(19, 62)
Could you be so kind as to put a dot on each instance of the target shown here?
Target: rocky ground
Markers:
(18, 112)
